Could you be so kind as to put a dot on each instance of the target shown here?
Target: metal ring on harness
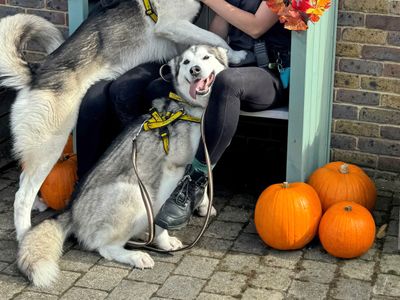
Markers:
(161, 72)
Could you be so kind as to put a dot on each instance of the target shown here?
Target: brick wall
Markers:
(54, 11)
(366, 112)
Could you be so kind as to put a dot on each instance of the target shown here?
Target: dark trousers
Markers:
(109, 106)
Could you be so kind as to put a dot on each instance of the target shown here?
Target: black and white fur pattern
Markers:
(110, 42)
(108, 209)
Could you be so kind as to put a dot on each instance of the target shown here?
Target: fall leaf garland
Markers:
(295, 14)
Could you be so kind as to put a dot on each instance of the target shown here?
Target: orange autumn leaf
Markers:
(277, 6)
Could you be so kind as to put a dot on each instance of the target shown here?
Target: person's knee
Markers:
(95, 101)
(226, 79)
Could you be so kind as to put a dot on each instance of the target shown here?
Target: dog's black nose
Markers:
(195, 70)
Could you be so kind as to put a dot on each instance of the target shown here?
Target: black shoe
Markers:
(187, 196)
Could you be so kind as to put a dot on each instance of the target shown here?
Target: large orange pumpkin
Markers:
(57, 189)
(287, 215)
(347, 230)
(338, 181)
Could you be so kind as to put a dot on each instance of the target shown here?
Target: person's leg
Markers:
(96, 127)
(128, 92)
(234, 89)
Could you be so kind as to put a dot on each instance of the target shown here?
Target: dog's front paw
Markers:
(141, 260)
(172, 243)
(235, 57)
(202, 211)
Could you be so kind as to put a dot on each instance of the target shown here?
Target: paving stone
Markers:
(12, 270)
(250, 243)
(8, 251)
(3, 266)
(64, 282)
(319, 254)
(273, 278)
(167, 257)
(181, 287)
(234, 214)
(394, 215)
(243, 201)
(224, 230)
(78, 261)
(5, 183)
(211, 247)
(102, 278)
(158, 274)
(390, 245)
(208, 296)
(315, 271)
(197, 266)
(387, 285)
(36, 296)
(284, 259)
(308, 290)
(226, 283)
(370, 255)
(351, 289)
(113, 264)
(390, 264)
(393, 228)
(84, 294)
(199, 221)
(10, 286)
(240, 263)
(133, 290)
(261, 294)
(7, 220)
(250, 228)
(358, 269)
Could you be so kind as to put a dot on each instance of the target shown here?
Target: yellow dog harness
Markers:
(161, 120)
(150, 11)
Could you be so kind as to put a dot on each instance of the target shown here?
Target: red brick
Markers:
(391, 70)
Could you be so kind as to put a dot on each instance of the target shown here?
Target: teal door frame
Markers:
(311, 90)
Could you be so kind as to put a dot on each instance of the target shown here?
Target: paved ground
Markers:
(230, 263)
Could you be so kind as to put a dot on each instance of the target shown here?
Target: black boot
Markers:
(177, 210)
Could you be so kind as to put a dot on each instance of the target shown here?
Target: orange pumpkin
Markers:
(287, 215)
(69, 146)
(347, 230)
(338, 181)
(57, 189)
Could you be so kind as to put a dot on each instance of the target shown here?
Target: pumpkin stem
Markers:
(344, 169)
(285, 185)
(348, 208)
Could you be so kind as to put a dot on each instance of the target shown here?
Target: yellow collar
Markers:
(149, 10)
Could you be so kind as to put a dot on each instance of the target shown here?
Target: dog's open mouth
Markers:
(201, 86)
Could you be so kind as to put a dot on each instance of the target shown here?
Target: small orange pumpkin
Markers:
(287, 215)
(347, 230)
(69, 146)
(57, 189)
(338, 181)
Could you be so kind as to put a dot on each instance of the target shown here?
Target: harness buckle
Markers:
(149, 11)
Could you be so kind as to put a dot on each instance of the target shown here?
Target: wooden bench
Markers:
(311, 91)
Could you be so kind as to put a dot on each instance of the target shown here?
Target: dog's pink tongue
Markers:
(198, 84)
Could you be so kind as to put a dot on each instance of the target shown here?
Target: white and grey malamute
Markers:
(108, 209)
(110, 42)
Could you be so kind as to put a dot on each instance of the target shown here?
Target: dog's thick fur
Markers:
(108, 209)
(110, 42)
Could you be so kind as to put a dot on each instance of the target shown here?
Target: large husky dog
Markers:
(110, 42)
(108, 209)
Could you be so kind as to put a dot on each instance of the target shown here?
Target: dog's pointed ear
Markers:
(222, 56)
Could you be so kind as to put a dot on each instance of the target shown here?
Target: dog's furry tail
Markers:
(15, 32)
(41, 249)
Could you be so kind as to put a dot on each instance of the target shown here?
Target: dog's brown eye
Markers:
(206, 57)
(186, 61)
